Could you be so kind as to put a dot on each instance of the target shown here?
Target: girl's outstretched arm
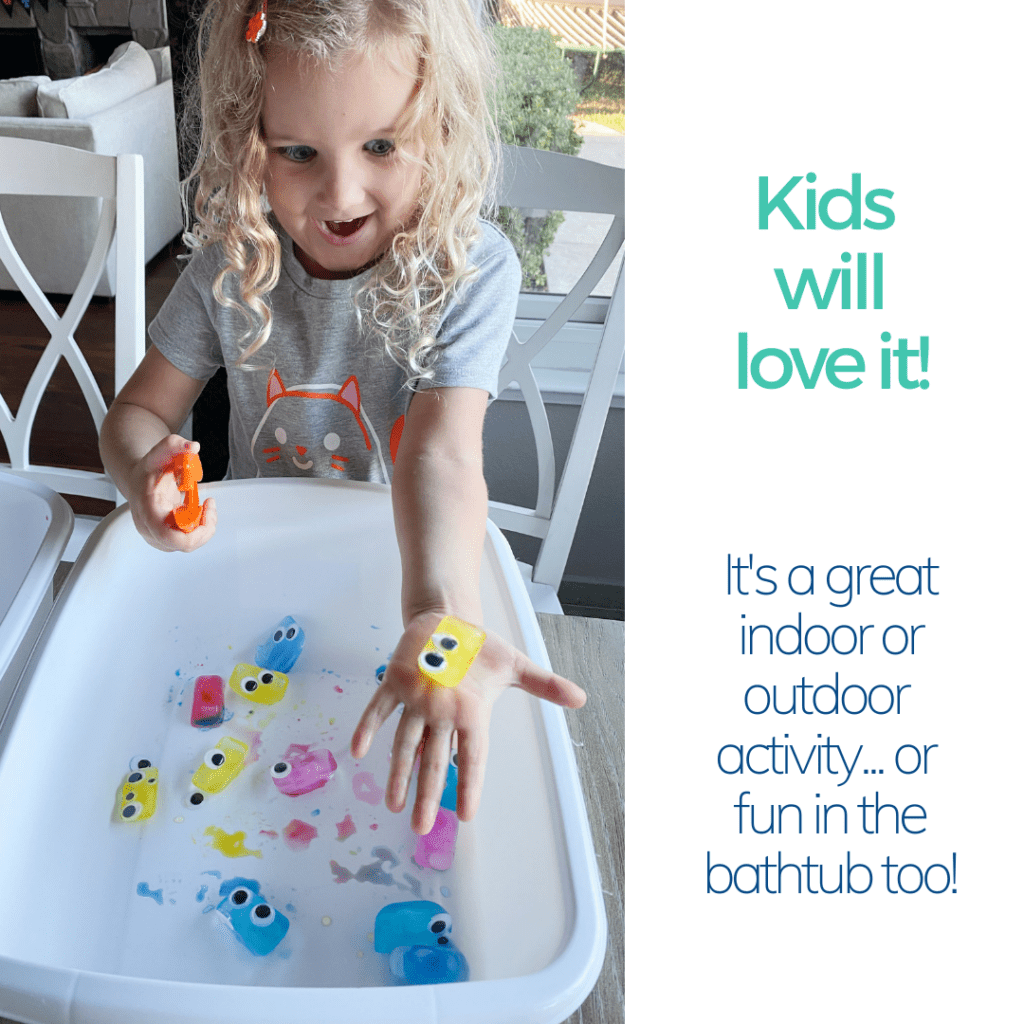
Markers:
(137, 442)
(440, 507)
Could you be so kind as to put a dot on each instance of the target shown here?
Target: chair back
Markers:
(535, 179)
(44, 169)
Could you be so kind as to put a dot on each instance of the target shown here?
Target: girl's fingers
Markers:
(437, 749)
(202, 533)
(403, 757)
(159, 458)
(546, 685)
(376, 713)
(209, 526)
(471, 761)
(170, 538)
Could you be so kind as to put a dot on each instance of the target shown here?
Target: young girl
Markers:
(341, 273)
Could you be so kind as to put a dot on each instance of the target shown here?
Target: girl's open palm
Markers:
(436, 718)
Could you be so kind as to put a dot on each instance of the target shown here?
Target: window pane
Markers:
(580, 234)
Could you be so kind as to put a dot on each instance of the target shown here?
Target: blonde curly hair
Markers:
(409, 287)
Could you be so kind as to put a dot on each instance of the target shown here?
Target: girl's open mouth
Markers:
(344, 228)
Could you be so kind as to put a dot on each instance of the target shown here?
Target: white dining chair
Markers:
(44, 169)
(535, 179)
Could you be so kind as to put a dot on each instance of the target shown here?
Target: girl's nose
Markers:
(344, 188)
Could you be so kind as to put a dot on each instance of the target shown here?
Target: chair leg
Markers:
(544, 598)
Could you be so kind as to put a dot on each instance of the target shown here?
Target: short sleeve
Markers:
(183, 330)
(476, 328)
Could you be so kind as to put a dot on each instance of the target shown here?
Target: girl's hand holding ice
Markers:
(138, 444)
(154, 494)
(436, 717)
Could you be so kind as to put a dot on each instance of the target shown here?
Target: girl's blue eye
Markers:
(379, 147)
(297, 154)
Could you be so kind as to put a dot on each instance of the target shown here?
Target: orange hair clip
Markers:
(257, 25)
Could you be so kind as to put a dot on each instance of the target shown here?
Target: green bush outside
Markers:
(536, 95)
(537, 91)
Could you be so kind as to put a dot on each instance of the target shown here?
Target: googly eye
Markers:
(266, 678)
(432, 661)
(380, 673)
(281, 770)
(250, 685)
(278, 636)
(195, 798)
(290, 635)
(214, 759)
(140, 764)
(135, 777)
(132, 809)
(454, 759)
(445, 642)
(240, 897)
(441, 926)
(262, 914)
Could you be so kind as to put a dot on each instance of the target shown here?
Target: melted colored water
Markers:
(156, 894)
(365, 788)
(232, 845)
(298, 835)
(376, 873)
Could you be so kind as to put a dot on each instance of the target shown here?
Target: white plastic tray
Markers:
(35, 524)
(84, 937)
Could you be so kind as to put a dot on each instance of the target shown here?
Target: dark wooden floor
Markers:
(64, 434)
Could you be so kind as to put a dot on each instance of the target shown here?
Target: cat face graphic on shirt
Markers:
(312, 430)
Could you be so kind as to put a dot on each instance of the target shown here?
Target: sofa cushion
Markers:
(18, 95)
(128, 72)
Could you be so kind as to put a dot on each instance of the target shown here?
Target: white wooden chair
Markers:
(553, 181)
(44, 169)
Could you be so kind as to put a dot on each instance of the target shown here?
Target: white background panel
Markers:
(923, 100)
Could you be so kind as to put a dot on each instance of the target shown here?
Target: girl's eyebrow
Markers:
(269, 134)
(274, 139)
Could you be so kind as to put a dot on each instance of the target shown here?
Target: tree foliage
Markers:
(535, 98)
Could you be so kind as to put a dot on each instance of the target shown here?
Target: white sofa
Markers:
(55, 236)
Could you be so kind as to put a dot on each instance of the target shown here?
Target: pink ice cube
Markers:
(302, 770)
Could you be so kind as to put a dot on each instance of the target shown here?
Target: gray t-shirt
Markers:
(321, 400)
